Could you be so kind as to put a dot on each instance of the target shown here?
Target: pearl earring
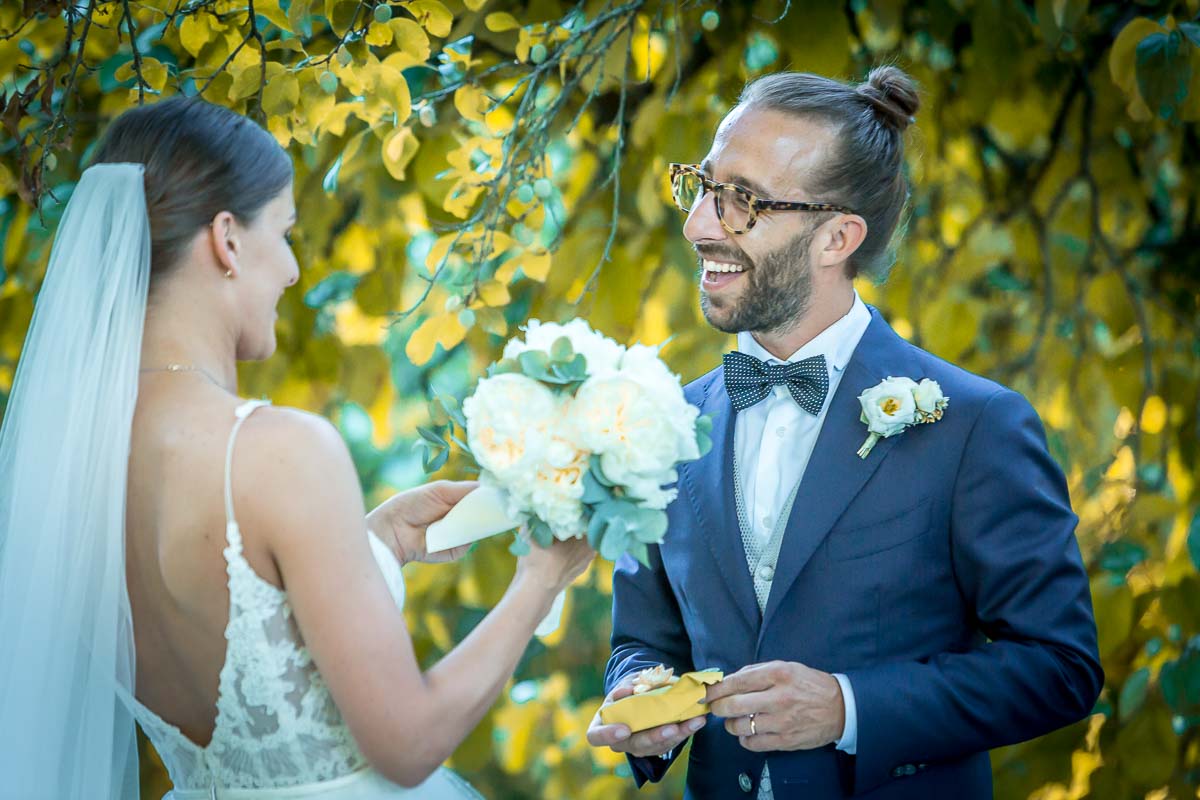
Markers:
(228, 273)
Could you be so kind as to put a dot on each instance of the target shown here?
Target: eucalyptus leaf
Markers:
(561, 350)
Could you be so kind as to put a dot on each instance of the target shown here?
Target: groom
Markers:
(882, 621)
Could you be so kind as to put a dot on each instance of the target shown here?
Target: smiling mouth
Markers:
(718, 274)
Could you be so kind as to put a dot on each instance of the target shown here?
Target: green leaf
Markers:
(520, 546)
(540, 532)
(1180, 681)
(503, 367)
(640, 552)
(1164, 69)
(1121, 556)
(1134, 692)
(432, 436)
(534, 363)
(617, 538)
(651, 525)
(1193, 540)
(594, 491)
(333, 288)
(561, 350)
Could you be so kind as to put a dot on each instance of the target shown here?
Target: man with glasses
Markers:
(885, 614)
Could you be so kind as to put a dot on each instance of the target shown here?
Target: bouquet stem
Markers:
(865, 450)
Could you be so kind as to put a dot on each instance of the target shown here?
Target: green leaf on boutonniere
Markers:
(650, 525)
(639, 551)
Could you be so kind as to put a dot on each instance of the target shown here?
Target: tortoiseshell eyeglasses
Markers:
(737, 207)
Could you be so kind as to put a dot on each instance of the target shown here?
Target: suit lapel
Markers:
(709, 486)
(835, 473)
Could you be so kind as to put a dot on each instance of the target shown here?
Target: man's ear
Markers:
(225, 244)
(843, 236)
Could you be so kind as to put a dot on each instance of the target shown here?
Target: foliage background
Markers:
(476, 163)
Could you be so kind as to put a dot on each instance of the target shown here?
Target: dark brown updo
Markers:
(200, 159)
(865, 171)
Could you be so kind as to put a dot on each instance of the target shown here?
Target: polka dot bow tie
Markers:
(749, 380)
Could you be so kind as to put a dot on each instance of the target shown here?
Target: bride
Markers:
(140, 498)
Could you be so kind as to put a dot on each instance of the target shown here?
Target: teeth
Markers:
(718, 266)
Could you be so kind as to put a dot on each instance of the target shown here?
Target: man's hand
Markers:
(651, 742)
(401, 520)
(793, 706)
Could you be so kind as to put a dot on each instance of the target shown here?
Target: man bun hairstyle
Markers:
(866, 170)
(200, 159)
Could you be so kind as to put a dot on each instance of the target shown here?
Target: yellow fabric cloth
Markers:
(676, 703)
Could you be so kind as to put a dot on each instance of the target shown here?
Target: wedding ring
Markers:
(753, 730)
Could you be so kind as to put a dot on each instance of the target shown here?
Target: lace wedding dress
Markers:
(278, 733)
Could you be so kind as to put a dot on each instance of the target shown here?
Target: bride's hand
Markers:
(401, 520)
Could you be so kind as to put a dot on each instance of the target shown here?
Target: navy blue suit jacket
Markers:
(940, 574)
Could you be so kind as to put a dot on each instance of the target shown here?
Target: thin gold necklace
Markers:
(184, 368)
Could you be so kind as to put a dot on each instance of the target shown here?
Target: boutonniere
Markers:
(897, 403)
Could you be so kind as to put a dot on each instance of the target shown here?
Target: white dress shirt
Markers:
(774, 439)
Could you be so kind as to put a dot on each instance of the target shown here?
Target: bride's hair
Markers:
(200, 159)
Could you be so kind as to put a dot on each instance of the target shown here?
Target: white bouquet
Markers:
(574, 435)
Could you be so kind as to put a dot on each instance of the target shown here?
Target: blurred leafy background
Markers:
(462, 166)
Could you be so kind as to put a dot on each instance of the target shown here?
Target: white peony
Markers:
(642, 364)
(556, 491)
(509, 423)
(889, 407)
(622, 422)
(602, 353)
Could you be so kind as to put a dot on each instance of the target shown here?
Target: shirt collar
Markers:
(836, 343)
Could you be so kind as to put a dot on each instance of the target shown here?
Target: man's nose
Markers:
(702, 222)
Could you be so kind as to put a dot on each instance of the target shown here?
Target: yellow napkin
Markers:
(676, 703)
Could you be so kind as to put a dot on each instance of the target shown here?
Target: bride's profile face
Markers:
(268, 268)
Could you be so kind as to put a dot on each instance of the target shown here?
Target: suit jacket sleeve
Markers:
(1018, 567)
(647, 630)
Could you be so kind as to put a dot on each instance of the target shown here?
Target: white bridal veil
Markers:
(66, 633)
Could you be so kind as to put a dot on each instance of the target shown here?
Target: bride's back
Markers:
(175, 538)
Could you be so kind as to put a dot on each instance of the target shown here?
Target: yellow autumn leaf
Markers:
(461, 198)
(392, 89)
(494, 293)
(271, 10)
(474, 5)
(378, 34)
(433, 15)
(154, 73)
(471, 102)
(536, 265)
(1122, 57)
(281, 94)
(410, 38)
(194, 33)
(443, 329)
(399, 147)
(500, 21)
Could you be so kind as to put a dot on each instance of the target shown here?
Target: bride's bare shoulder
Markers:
(292, 468)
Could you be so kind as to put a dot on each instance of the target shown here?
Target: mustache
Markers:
(718, 254)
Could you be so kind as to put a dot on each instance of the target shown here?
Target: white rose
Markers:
(602, 353)
(889, 407)
(509, 421)
(622, 422)
(928, 395)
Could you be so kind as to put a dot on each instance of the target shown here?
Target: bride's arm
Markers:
(307, 504)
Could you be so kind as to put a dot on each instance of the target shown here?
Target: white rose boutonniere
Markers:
(897, 403)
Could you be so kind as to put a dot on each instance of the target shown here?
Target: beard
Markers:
(777, 292)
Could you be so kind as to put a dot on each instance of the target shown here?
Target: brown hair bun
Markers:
(893, 96)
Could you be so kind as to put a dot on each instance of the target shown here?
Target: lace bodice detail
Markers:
(276, 724)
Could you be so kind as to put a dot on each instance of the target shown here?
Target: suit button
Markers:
(766, 573)
(898, 772)
(910, 769)
(745, 783)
